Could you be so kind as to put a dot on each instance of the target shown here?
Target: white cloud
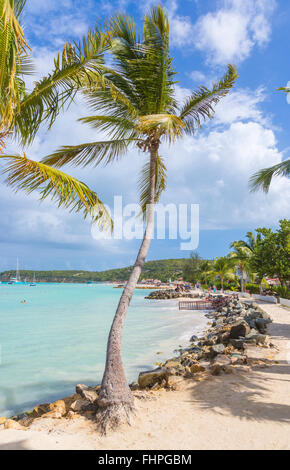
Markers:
(241, 105)
(213, 170)
(230, 33)
(198, 76)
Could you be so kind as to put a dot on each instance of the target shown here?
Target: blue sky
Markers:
(251, 130)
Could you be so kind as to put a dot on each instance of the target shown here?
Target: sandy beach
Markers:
(243, 410)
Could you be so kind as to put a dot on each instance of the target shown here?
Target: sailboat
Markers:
(33, 284)
(16, 280)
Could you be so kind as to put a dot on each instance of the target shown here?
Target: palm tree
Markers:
(250, 246)
(222, 267)
(241, 259)
(139, 111)
(21, 113)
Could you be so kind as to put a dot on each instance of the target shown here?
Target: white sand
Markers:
(238, 411)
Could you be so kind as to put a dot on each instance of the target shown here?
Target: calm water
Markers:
(57, 339)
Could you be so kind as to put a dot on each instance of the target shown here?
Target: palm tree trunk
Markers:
(242, 280)
(222, 283)
(116, 401)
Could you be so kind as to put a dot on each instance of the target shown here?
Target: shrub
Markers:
(283, 292)
(253, 288)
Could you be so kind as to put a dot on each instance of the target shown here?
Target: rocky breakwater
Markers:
(172, 294)
(227, 346)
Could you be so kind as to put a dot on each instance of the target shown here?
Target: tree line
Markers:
(263, 253)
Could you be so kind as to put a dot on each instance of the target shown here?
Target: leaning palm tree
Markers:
(241, 257)
(222, 267)
(140, 112)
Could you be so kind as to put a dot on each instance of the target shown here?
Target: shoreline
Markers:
(156, 400)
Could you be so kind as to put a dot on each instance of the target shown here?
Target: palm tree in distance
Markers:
(222, 267)
(140, 112)
(241, 259)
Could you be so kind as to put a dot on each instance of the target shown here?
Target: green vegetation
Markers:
(160, 269)
(264, 254)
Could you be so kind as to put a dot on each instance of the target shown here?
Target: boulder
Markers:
(57, 408)
(87, 393)
(240, 329)
(81, 405)
(195, 368)
(174, 382)
(2, 420)
(217, 349)
(151, 377)
(11, 424)
(237, 343)
(261, 324)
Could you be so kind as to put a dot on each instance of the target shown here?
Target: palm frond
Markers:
(92, 153)
(13, 47)
(200, 105)
(115, 127)
(165, 124)
(79, 65)
(144, 182)
(262, 179)
(29, 175)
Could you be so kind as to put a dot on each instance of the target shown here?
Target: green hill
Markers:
(160, 269)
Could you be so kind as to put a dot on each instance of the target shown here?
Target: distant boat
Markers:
(16, 279)
(33, 284)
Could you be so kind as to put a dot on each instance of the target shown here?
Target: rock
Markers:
(40, 409)
(58, 408)
(81, 405)
(2, 420)
(257, 338)
(217, 349)
(193, 339)
(240, 329)
(10, 424)
(174, 382)
(87, 393)
(134, 386)
(215, 369)
(151, 377)
(237, 343)
(261, 324)
(195, 368)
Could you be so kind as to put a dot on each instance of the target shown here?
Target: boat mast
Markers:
(17, 271)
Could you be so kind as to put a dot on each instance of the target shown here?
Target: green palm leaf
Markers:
(262, 179)
(29, 175)
(200, 105)
(79, 66)
(92, 153)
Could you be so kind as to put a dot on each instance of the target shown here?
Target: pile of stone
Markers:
(172, 294)
(235, 327)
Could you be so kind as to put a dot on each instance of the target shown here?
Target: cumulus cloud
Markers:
(230, 33)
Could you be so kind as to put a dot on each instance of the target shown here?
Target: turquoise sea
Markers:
(58, 338)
